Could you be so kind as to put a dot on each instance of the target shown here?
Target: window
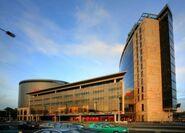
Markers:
(138, 83)
(138, 90)
(98, 91)
(142, 107)
(25, 112)
(141, 58)
(142, 89)
(142, 96)
(140, 30)
(142, 81)
(138, 97)
(142, 117)
(141, 42)
(141, 73)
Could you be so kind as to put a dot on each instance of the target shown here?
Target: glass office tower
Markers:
(149, 62)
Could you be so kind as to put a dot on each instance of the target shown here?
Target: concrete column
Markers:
(80, 118)
(115, 117)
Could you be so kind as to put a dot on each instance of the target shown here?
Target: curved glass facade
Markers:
(127, 65)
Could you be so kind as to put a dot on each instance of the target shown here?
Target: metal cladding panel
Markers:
(31, 86)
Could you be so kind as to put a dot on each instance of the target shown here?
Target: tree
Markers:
(11, 113)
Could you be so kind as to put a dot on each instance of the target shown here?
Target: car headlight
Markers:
(124, 130)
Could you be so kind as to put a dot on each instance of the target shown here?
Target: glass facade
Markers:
(92, 97)
(167, 60)
(127, 65)
(101, 98)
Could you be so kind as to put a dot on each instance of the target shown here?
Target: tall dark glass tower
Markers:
(167, 59)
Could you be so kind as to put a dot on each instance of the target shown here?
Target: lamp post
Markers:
(8, 32)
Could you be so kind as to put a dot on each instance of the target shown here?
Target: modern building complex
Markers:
(93, 99)
(148, 58)
(143, 90)
(27, 86)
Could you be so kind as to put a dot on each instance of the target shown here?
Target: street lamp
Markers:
(8, 32)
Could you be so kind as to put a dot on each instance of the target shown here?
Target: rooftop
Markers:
(83, 82)
(143, 16)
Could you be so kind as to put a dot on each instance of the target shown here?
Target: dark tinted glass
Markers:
(167, 61)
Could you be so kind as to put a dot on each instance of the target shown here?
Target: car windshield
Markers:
(108, 125)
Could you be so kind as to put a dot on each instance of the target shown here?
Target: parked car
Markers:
(105, 127)
(28, 125)
(47, 125)
(56, 130)
(87, 130)
(68, 125)
(4, 128)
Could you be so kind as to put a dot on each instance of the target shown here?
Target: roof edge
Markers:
(79, 82)
(42, 80)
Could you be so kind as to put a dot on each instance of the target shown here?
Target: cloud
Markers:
(42, 43)
(43, 34)
(94, 21)
(94, 49)
(89, 45)
(91, 15)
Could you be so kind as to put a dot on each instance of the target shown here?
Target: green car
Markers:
(108, 128)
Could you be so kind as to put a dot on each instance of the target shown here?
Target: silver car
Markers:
(54, 130)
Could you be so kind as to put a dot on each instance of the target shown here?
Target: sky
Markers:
(73, 40)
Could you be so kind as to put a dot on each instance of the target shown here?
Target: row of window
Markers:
(98, 91)
(139, 51)
(82, 94)
(76, 101)
(21, 112)
(77, 94)
(140, 98)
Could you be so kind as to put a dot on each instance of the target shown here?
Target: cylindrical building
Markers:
(31, 85)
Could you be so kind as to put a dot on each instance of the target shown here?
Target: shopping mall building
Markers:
(143, 90)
